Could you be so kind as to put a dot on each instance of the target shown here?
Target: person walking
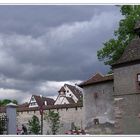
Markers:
(24, 129)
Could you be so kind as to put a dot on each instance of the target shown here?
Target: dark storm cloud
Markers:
(51, 43)
(33, 19)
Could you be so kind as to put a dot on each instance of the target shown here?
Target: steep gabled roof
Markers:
(50, 101)
(75, 91)
(62, 90)
(130, 55)
(70, 100)
(97, 78)
(38, 99)
(41, 100)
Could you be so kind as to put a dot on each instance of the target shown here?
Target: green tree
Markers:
(15, 102)
(114, 48)
(54, 120)
(7, 101)
(34, 125)
(1, 127)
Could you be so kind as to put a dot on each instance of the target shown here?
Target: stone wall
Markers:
(127, 114)
(127, 100)
(67, 116)
(100, 107)
(125, 79)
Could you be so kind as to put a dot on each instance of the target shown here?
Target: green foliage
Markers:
(7, 101)
(114, 48)
(15, 102)
(54, 120)
(1, 127)
(34, 125)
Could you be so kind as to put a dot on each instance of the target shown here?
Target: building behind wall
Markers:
(68, 105)
(69, 94)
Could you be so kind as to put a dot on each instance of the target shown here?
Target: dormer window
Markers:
(32, 99)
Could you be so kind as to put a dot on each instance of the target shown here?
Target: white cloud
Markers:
(70, 30)
(14, 94)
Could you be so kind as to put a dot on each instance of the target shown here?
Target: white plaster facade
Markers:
(61, 99)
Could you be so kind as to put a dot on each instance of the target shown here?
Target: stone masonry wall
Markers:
(100, 108)
(127, 114)
(127, 100)
(125, 79)
(67, 116)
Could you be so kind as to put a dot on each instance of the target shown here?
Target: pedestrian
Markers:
(24, 129)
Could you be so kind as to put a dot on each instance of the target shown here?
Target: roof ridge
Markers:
(91, 77)
(111, 74)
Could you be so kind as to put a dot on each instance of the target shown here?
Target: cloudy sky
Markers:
(43, 47)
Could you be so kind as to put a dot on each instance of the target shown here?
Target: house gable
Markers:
(69, 93)
(33, 102)
(38, 101)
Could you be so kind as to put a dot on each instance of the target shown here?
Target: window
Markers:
(32, 99)
(96, 121)
(138, 81)
(138, 77)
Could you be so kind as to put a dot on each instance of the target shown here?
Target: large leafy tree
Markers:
(114, 47)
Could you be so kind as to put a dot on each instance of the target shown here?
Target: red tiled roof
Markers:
(38, 100)
(41, 100)
(97, 78)
(50, 101)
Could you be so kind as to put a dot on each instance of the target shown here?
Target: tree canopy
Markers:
(7, 101)
(114, 47)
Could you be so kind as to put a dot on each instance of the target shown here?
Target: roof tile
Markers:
(97, 78)
(131, 53)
